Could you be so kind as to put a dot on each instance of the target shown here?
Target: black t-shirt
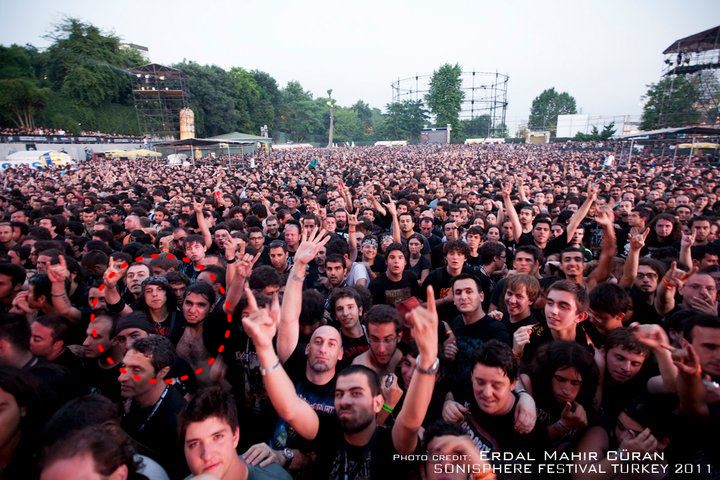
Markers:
(257, 416)
(155, 429)
(513, 327)
(336, 460)
(554, 245)
(441, 282)
(423, 264)
(388, 292)
(320, 397)
(470, 337)
(352, 347)
(496, 433)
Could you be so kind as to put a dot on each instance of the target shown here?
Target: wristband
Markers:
(667, 284)
(234, 259)
(297, 278)
(265, 371)
(387, 408)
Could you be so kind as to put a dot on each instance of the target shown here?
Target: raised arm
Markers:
(510, 211)
(686, 244)
(605, 218)
(202, 223)
(673, 280)
(289, 327)
(690, 387)
(582, 212)
(637, 242)
(655, 337)
(424, 328)
(58, 275)
(261, 326)
(352, 239)
(111, 277)
(392, 210)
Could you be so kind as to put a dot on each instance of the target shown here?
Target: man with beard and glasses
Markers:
(350, 444)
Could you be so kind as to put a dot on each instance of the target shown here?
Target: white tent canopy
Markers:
(37, 159)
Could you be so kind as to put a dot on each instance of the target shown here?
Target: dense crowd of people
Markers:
(484, 311)
(59, 131)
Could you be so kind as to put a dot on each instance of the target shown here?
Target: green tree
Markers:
(300, 116)
(670, 103)
(348, 126)
(269, 104)
(247, 99)
(22, 99)
(89, 65)
(446, 95)
(547, 106)
(15, 62)
(478, 127)
(404, 120)
(213, 99)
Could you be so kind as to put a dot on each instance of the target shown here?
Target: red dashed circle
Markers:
(168, 381)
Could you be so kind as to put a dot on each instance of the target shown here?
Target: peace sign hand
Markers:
(637, 242)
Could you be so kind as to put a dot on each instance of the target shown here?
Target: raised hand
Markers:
(423, 324)
(261, 323)
(651, 335)
(637, 242)
(198, 206)
(507, 188)
(391, 207)
(114, 273)
(391, 392)
(686, 360)
(59, 272)
(310, 245)
(593, 190)
(574, 415)
(234, 247)
(687, 240)
(605, 217)
(675, 277)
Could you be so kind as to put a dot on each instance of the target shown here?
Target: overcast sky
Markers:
(603, 53)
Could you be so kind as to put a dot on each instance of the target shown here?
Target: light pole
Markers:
(331, 106)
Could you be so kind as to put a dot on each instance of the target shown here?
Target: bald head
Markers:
(324, 349)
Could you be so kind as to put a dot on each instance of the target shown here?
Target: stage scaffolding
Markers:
(485, 94)
(160, 93)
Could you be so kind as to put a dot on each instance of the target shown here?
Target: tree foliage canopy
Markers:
(547, 106)
(670, 103)
(446, 95)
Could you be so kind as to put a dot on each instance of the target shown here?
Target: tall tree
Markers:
(446, 95)
(404, 120)
(89, 65)
(547, 106)
(247, 99)
(300, 116)
(267, 109)
(22, 99)
(478, 127)
(213, 99)
(670, 103)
